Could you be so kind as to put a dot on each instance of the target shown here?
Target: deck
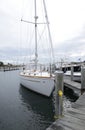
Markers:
(72, 85)
(73, 119)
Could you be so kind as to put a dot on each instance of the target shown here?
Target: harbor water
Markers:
(21, 109)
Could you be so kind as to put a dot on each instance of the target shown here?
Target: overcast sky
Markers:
(67, 24)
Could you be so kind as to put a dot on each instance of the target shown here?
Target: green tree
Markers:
(1, 63)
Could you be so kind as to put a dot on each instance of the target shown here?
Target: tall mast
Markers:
(50, 39)
(36, 55)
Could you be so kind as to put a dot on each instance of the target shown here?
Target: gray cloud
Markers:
(10, 37)
(72, 49)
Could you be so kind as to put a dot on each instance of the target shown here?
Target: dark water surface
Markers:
(21, 109)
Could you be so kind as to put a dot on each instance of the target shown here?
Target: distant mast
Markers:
(36, 55)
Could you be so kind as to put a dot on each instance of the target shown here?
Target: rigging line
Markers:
(21, 45)
(30, 45)
(48, 29)
(27, 45)
(30, 41)
(27, 41)
(40, 37)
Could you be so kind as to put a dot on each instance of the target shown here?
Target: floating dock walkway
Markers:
(75, 86)
(73, 119)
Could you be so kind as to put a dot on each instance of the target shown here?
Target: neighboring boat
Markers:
(76, 75)
(36, 79)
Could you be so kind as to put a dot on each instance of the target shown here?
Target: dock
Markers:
(75, 86)
(9, 68)
(73, 119)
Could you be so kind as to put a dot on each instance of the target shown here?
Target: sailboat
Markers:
(39, 81)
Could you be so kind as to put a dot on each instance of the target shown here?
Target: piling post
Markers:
(4, 68)
(82, 79)
(58, 94)
(72, 70)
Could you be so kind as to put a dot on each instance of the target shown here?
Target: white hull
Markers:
(40, 85)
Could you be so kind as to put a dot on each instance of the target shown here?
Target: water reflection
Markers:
(37, 104)
(40, 109)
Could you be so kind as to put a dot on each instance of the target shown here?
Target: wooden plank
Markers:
(74, 118)
(72, 84)
(75, 86)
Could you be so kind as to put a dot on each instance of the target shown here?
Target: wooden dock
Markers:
(72, 85)
(8, 68)
(73, 119)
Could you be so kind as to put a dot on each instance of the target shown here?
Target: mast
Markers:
(36, 55)
(50, 39)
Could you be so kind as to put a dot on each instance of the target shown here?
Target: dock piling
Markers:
(58, 94)
(82, 79)
(72, 70)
